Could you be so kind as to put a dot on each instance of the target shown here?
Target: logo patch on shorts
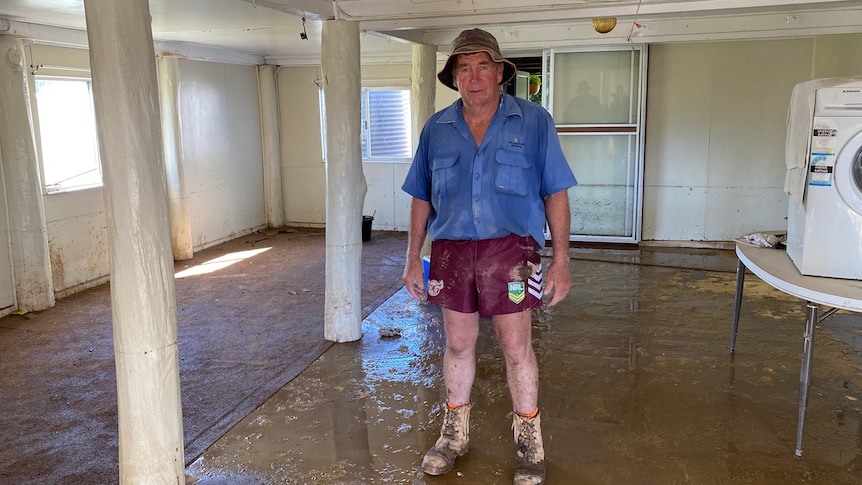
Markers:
(516, 291)
(434, 287)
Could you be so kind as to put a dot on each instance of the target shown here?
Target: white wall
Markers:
(77, 233)
(77, 239)
(221, 153)
(221, 150)
(715, 132)
(301, 146)
(714, 164)
(837, 55)
(302, 159)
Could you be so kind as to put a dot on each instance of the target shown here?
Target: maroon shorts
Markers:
(492, 276)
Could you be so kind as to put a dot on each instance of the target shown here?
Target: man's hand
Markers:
(559, 281)
(414, 269)
(414, 278)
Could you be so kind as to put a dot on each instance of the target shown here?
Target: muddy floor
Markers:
(637, 387)
(250, 316)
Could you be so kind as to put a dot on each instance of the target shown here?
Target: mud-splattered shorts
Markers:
(492, 276)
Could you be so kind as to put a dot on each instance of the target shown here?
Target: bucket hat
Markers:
(468, 42)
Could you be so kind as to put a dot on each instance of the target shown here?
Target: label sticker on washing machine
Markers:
(820, 172)
(825, 132)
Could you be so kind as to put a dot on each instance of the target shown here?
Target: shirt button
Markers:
(476, 198)
(477, 176)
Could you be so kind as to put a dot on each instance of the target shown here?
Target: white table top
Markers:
(775, 267)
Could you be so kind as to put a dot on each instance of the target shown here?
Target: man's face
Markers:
(477, 78)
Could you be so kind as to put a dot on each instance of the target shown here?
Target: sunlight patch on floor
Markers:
(220, 262)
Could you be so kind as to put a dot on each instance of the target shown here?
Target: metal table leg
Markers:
(737, 302)
(805, 371)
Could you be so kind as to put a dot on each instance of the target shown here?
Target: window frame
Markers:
(634, 129)
(367, 86)
(368, 125)
(58, 188)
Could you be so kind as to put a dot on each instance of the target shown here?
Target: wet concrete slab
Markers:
(637, 386)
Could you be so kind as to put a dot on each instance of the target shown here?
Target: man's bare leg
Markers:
(459, 371)
(522, 373)
(522, 370)
(459, 360)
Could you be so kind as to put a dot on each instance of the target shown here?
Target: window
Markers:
(67, 130)
(386, 133)
(386, 125)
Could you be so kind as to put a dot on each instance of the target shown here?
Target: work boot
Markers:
(529, 451)
(454, 441)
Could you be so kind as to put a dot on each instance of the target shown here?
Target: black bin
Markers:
(366, 227)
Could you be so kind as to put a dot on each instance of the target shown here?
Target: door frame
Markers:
(638, 128)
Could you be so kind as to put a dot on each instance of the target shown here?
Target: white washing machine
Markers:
(824, 234)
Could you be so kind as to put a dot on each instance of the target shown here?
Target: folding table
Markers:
(776, 268)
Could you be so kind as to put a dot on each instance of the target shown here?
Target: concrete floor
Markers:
(637, 387)
(250, 315)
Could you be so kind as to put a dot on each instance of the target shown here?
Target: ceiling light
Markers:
(603, 25)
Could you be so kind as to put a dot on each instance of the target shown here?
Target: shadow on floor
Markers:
(637, 387)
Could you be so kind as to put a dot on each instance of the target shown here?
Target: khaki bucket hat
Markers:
(468, 42)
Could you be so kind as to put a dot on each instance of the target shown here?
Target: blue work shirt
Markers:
(492, 190)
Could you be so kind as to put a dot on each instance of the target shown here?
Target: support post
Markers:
(28, 230)
(345, 181)
(423, 92)
(143, 300)
(273, 192)
(178, 203)
(423, 87)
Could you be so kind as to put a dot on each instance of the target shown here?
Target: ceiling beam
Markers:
(653, 28)
(310, 9)
(429, 14)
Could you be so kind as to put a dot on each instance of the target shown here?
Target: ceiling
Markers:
(268, 31)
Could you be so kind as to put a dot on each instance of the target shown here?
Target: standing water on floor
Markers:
(637, 386)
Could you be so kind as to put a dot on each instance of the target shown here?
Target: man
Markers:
(486, 176)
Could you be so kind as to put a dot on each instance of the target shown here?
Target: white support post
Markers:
(143, 300)
(182, 244)
(423, 92)
(31, 263)
(423, 89)
(273, 191)
(345, 181)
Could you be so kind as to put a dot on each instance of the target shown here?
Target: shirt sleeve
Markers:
(418, 180)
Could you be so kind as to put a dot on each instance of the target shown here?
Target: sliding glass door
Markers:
(597, 100)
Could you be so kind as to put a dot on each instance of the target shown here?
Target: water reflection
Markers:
(634, 383)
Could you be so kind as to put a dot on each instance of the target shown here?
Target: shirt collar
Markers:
(508, 106)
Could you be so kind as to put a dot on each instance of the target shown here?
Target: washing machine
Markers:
(824, 234)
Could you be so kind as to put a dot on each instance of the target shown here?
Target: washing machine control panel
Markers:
(838, 101)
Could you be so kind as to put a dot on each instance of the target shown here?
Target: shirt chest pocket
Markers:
(444, 174)
(513, 173)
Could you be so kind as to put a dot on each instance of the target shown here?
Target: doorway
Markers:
(596, 97)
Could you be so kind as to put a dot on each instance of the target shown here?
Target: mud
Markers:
(250, 317)
(637, 386)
